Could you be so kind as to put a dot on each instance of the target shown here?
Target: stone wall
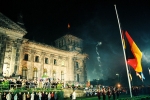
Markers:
(68, 92)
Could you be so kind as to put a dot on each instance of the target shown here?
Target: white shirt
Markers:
(8, 96)
(74, 95)
(32, 96)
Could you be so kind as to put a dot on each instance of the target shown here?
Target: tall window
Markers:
(62, 76)
(35, 73)
(24, 72)
(46, 60)
(55, 62)
(77, 77)
(36, 58)
(26, 57)
(77, 64)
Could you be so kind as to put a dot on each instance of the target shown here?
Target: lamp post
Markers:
(118, 76)
(97, 82)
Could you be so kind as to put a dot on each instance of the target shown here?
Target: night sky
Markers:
(93, 21)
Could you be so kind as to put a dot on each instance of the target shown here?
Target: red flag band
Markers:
(136, 61)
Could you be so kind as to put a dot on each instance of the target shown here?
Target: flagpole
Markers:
(124, 53)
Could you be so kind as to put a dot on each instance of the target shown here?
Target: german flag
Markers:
(68, 25)
(135, 62)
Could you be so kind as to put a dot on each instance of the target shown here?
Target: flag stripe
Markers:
(136, 62)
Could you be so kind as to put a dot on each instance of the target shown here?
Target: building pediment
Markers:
(9, 25)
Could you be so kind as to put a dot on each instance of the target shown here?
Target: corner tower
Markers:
(70, 43)
(11, 36)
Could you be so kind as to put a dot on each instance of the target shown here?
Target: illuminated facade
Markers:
(33, 60)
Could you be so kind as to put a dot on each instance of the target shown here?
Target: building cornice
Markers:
(42, 45)
(11, 33)
(9, 25)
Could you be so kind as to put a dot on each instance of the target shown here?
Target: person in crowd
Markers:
(40, 96)
(49, 96)
(32, 96)
(46, 96)
(28, 96)
(74, 95)
(117, 92)
(91, 92)
(16, 97)
(136, 91)
(43, 95)
(109, 93)
(55, 95)
(104, 93)
(114, 93)
(8, 96)
(23, 83)
(48, 84)
(36, 96)
(12, 95)
(4, 96)
(133, 91)
(52, 96)
(20, 96)
(24, 96)
(19, 83)
(0, 96)
(99, 94)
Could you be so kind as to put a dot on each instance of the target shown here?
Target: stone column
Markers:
(72, 68)
(21, 58)
(13, 57)
(42, 63)
(51, 62)
(85, 70)
(2, 50)
(30, 70)
(7, 58)
(17, 60)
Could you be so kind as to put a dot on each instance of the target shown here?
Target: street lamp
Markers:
(118, 76)
(118, 85)
(97, 81)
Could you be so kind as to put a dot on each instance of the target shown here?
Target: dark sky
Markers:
(93, 21)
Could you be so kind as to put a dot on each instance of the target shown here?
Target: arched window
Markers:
(26, 57)
(35, 73)
(24, 72)
(62, 76)
(46, 60)
(77, 64)
(36, 58)
(45, 72)
(55, 62)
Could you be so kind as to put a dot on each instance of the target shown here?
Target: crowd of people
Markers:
(102, 92)
(26, 84)
(17, 83)
(106, 92)
(29, 96)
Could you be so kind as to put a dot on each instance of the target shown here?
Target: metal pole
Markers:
(124, 53)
